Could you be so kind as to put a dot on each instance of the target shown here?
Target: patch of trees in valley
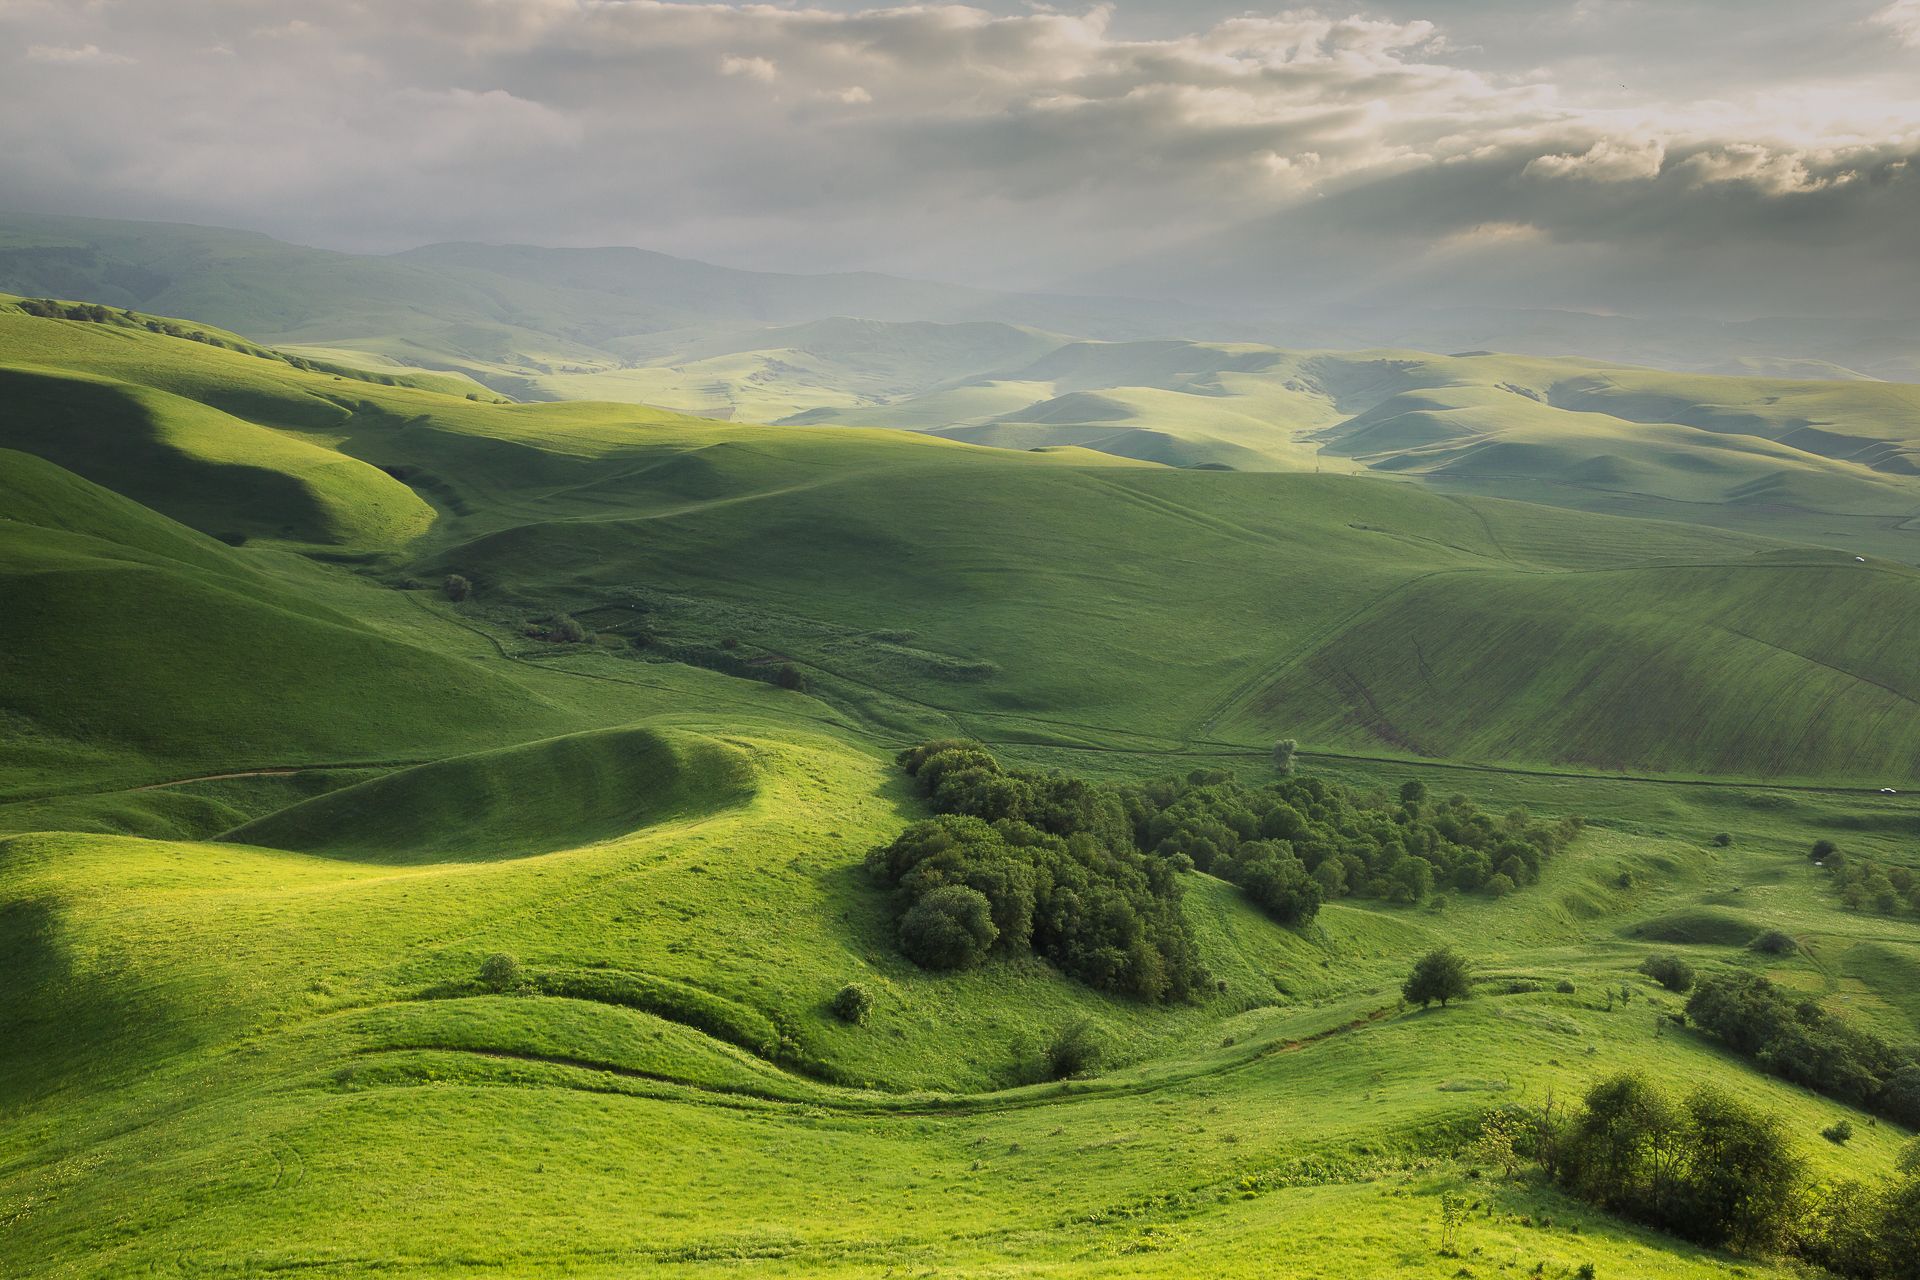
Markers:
(1087, 874)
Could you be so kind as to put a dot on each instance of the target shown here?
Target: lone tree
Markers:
(456, 587)
(1439, 975)
(1283, 752)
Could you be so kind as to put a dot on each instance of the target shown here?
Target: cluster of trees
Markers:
(1802, 1042)
(1086, 874)
(1021, 863)
(1865, 884)
(1298, 842)
(50, 309)
(1713, 1170)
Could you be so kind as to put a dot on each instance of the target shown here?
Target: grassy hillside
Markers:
(266, 811)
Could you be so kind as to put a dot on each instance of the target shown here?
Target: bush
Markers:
(1800, 1041)
(950, 927)
(1283, 756)
(1839, 1133)
(500, 972)
(790, 677)
(1439, 975)
(1775, 942)
(1670, 971)
(1822, 850)
(1723, 839)
(852, 1003)
(456, 588)
(1564, 987)
(1077, 1049)
(1709, 1169)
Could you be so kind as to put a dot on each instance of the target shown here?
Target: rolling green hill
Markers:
(271, 808)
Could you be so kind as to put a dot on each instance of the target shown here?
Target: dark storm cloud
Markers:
(1011, 147)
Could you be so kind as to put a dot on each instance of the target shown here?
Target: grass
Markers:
(268, 808)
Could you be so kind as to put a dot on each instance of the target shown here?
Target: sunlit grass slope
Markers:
(245, 1059)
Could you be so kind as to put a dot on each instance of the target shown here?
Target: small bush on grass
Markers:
(1670, 971)
(852, 1003)
(501, 972)
(1077, 1049)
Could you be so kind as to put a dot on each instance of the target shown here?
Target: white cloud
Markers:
(760, 69)
(82, 55)
(1607, 160)
(1902, 17)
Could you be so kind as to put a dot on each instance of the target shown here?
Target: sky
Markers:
(1727, 157)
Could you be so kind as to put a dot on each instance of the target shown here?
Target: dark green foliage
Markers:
(1052, 860)
(1866, 885)
(456, 588)
(1565, 987)
(500, 972)
(1822, 850)
(1802, 1042)
(561, 628)
(950, 926)
(1283, 756)
(852, 1003)
(788, 676)
(1077, 1049)
(1351, 846)
(1864, 1232)
(1670, 971)
(1775, 942)
(1840, 1132)
(1439, 975)
(1709, 1168)
(1723, 839)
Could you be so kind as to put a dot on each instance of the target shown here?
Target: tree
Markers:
(1822, 850)
(1413, 793)
(1670, 971)
(457, 588)
(1077, 1049)
(1439, 975)
(500, 972)
(852, 1003)
(790, 677)
(1283, 753)
(949, 928)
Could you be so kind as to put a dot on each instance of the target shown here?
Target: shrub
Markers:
(791, 677)
(564, 628)
(1439, 975)
(1800, 1041)
(950, 927)
(500, 972)
(1839, 1133)
(1077, 1049)
(852, 1003)
(1283, 756)
(1822, 850)
(1564, 987)
(1670, 971)
(1775, 942)
(456, 588)
(1723, 839)
(1500, 884)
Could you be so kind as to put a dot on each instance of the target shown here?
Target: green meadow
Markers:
(323, 683)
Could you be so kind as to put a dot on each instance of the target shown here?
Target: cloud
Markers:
(760, 69)
(1012, 148)
(1902, 17)
(83, 55)
(1605, 161)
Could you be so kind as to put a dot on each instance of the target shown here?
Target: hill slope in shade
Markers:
(558, 794)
